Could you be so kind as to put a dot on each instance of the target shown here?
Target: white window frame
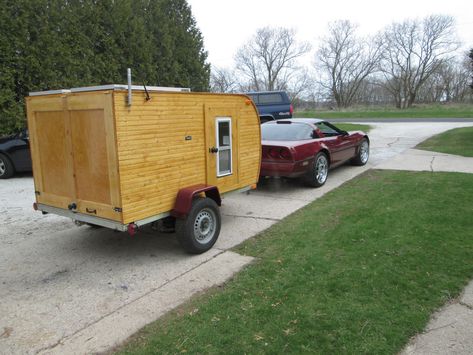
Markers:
(230, 147)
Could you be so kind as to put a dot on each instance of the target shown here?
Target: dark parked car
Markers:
(308, 148)
(14, 154)
(272, 105)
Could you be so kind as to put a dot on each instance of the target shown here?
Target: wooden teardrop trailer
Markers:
(122, 157)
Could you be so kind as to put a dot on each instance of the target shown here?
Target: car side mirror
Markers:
(23, 135)
(344, 133)
(315, 134)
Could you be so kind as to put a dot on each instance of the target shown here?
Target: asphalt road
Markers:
(68, 289)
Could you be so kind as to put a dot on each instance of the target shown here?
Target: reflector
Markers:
(132, 229)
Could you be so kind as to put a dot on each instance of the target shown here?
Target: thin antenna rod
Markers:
(128, 74)
(146, 91)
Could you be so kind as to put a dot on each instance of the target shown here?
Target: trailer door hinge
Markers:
(117, 209)
(37, 192)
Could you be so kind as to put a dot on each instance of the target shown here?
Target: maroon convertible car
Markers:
(309, 148)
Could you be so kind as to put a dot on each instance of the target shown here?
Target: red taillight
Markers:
(278, 153)
(285, 153)
(132, 229)
(291, 109)
(35, 206)
(273, 153)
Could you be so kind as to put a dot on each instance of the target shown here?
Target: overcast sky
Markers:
(227, 25)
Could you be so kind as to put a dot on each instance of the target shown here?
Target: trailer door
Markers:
(221, 131)
(74, 149)
(50, 151)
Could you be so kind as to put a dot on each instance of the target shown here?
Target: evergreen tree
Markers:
(471, 66)
(53, 44)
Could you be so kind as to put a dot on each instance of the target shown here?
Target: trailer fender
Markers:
(186, 195)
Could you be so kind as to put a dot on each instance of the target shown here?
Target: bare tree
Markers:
(459, 83)
(450, 83)
(413, 50)
(297, 84)
(223, 80)
(344, 61)
(268, 60)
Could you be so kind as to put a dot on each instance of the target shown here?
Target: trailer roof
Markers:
(108, 87)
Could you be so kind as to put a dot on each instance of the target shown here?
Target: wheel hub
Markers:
(321, 167)
(204, 226)
(2, 167)
(364, 152)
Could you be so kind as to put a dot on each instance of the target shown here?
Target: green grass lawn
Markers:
(358, 271)
(457, 141)
(421, 111)
(353, 127)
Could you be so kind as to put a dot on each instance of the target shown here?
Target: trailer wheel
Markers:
(199, 231)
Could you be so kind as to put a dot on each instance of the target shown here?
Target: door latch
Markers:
(213, 150)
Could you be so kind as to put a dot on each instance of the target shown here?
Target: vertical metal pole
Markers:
(128, 74)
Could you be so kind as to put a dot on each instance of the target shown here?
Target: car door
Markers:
(341, 146)
(20, 152)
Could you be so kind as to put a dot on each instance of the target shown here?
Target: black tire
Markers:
(6, 167)
(199, 231)
(317, 174)
(362, 154)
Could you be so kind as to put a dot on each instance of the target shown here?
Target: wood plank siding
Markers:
(163, 147)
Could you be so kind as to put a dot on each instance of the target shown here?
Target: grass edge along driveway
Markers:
(353, 127)
(420, 111)
(458, 141)
(358, 271)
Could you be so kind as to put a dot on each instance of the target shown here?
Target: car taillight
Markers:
(273, 153)
(285, 153)
(291, 109)
(279, 153)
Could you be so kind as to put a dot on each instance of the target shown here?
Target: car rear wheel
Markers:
(6, 167)
(199, 231)
(363, 153)
(318, 171)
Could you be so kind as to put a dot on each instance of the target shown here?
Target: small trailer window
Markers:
(224, 145)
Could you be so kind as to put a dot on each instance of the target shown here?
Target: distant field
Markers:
(428, 111)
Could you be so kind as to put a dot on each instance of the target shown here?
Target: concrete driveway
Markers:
(68, 289)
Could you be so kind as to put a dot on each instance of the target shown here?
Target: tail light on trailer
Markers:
(132, 229)
(291, 109)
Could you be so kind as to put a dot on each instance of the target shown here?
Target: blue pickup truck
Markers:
(272, 105)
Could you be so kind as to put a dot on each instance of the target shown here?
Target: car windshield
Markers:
(286, 131)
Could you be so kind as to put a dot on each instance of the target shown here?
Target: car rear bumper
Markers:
(284, 169)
